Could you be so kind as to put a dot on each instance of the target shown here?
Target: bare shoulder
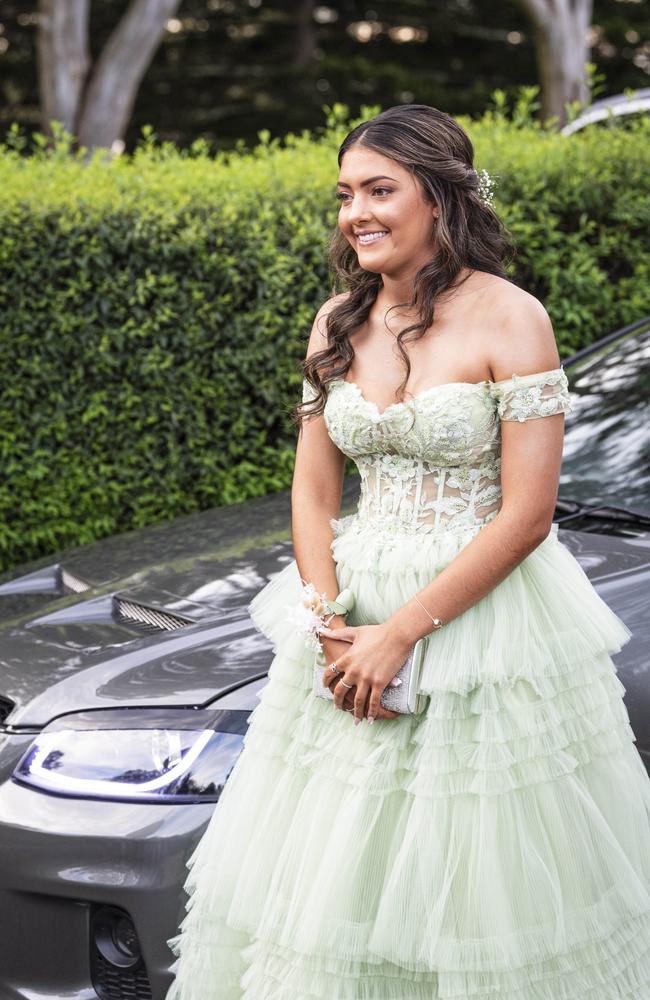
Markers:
(521, 339)
(330, 304)
(318, 336)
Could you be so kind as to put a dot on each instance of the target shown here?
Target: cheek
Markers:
(417, 227)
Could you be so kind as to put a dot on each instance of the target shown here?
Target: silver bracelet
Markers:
(437, 623)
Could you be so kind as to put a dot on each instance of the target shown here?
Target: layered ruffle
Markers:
(615, 968)
(543, 620)
(311, 886)
(496, 845)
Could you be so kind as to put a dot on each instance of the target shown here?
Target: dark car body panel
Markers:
(606, 456)
(63, 652)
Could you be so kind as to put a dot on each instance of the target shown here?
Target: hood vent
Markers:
(114, 609)
(49, 580)
(148, 619)
(70, 582)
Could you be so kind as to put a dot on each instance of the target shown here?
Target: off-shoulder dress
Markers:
(496, 845)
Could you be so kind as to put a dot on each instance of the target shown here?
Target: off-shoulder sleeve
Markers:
(525, 397)
(308, 391)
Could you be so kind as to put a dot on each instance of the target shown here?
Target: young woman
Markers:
(496, 843)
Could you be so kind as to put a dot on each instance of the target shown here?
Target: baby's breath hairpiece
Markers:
(485, 186)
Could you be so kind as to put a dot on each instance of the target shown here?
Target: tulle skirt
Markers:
(495, 845)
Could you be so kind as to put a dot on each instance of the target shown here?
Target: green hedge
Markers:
(153, 309)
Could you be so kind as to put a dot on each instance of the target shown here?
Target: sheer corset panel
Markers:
(433, 462)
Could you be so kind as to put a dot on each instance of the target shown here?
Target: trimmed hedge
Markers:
(154, 308)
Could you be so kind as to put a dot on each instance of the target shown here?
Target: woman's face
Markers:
(378, 196)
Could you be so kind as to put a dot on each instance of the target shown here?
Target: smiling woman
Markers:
(490, 837)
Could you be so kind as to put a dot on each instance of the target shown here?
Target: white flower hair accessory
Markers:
(485, 186)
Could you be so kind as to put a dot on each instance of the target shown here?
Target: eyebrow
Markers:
(381, 177)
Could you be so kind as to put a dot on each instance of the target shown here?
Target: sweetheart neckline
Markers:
(418, 395)
(444, 385)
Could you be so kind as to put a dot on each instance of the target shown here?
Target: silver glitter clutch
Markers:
(405, 698)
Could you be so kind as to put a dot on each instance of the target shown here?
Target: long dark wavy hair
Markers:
(439, 154)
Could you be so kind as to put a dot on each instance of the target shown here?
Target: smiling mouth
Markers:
(371, 238)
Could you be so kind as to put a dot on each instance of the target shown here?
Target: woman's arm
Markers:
(316, 488)
(531, 457)
(315, 498)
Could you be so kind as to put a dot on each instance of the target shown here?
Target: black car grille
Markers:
(6, 707)
(112, 983)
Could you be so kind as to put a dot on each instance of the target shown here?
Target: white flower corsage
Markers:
(314, 610)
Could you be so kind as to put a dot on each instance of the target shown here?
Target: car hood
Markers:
(65, 651)
(66, 643)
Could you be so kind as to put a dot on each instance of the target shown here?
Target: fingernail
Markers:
(357, 721)
(371, 719)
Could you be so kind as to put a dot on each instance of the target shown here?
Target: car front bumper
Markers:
(64, 860)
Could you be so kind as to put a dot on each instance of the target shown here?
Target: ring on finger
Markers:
(334, 667)
(345, 685)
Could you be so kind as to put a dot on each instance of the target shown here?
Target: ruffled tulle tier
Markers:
(496, 845)
(542, 620)
(538, 896)
(613, 969)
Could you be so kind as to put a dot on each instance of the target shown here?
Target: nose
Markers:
(358, 209)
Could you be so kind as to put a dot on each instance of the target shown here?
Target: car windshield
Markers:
(607, 436)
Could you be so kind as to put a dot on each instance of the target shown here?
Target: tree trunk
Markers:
(304, 32)
(560, 30)
(114, 83)
(64, 60)
(95, 103)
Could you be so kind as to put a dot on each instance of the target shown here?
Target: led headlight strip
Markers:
(39, 753)
(136, 755)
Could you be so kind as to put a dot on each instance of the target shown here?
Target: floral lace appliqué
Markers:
(433, 463)
(525, 397)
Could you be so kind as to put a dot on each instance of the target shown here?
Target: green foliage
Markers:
(154, 307)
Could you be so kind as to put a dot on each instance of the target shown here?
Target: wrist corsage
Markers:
(314, 610)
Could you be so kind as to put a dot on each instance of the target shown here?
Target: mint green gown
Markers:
(497, 845)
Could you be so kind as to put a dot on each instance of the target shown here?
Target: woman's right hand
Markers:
(336, 647)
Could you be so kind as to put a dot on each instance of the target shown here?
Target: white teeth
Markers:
(371, 237)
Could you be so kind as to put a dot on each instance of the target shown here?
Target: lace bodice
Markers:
(433, 462)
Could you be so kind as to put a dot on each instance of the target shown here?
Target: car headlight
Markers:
(157, 755)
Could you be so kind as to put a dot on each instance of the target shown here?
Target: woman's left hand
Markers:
(376, 654)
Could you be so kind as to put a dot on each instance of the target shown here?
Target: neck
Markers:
(397, 291)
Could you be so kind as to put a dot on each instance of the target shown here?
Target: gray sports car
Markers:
(129, 668)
